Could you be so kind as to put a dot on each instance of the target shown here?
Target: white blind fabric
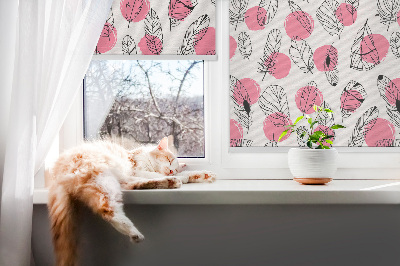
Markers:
(287, 56)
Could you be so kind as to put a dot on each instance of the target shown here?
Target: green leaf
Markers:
(329, 141)
(328, 110)
(313, 123)
(298, 119)
(337, 126)
(313, 138)
(310, 120)
(309, 144)
(319, 134)
(283, 134)
(315, 108)
(303, 134)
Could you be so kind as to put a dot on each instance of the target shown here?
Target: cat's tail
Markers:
(62, 212)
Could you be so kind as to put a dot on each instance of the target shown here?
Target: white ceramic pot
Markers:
(310, 166)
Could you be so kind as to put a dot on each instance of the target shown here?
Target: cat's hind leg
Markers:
(103, 195)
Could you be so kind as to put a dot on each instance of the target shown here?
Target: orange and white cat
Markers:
(94, 174)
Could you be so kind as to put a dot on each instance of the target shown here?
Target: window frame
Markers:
(167, 58)
(244, 163)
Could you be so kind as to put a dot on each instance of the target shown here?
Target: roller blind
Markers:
(179, 28)
(287, 56)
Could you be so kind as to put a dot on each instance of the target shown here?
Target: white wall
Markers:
(248, 235)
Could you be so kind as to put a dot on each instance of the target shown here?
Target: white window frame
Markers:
(245, 163)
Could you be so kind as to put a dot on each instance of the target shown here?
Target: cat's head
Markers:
(164, 160)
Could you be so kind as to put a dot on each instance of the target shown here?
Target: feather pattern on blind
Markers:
(159, 27)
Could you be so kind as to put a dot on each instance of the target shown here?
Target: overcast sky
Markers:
(193, 86)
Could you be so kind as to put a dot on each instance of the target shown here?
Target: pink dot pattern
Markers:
(341, 55)
(177, 27)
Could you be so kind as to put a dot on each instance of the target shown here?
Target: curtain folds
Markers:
(55, 43)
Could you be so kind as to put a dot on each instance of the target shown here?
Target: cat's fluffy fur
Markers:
(94, 174)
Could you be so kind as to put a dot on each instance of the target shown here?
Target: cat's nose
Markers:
(171, 172)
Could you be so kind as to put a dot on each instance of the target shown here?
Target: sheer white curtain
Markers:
(55, 42)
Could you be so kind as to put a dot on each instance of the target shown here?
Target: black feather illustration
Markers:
(244, 44)
(273, 43)
(352, 97)
(271, 6)
(176, 14)
(357, 137)
(357, 62)
(395, 44)
(326, 15)
(302, 55)
(271, 48)
(325, 118)
(237, 11)
(387, 11)
(200, 26)
(305, 23)
(354, 3)
(332, 76)
(302, 136)
(390, 94)
(128, 45)
(243, 113)
(274, 100)
(153, 31)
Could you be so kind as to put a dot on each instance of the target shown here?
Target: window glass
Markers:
(140, 101)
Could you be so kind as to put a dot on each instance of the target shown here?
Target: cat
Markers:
(94, 174)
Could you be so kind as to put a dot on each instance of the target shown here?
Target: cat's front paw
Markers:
(137, 237)
(201, 176)
(174, 182)
(210, 177)
(182, 167)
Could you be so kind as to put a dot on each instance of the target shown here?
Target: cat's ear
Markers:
(163, 145)
(171, 146)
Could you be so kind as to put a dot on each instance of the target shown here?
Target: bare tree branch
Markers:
(146, 72)
(182, 82)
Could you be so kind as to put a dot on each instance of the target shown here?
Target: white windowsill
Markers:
(264, 192)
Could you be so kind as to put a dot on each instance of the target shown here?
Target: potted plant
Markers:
(316, 163)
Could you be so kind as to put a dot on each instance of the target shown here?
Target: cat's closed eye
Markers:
(162, 157)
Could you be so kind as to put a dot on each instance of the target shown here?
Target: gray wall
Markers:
(237, 235)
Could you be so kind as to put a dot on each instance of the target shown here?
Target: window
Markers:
(212, 152)
(141, 101)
